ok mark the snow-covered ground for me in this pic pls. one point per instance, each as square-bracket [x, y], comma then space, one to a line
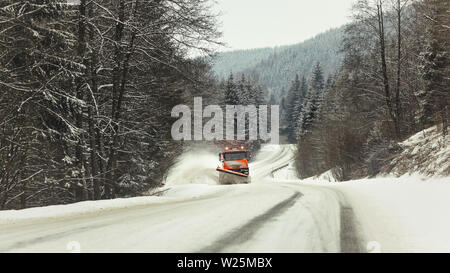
[276, 213]
[406, 214]
[425, 153]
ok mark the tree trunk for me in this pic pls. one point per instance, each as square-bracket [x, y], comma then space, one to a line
[386, 85]
[92, 70]
[117, 80]
[80, 96]
[398, 109]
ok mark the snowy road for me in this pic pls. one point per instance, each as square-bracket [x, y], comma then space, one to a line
[261, 217]
[276, 213]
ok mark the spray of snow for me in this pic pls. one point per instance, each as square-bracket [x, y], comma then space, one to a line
[196, 166]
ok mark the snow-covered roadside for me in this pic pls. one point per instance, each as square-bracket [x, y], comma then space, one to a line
[409, 209]
[77, 209]
[174, 194]
[407, 214]
[426, 153]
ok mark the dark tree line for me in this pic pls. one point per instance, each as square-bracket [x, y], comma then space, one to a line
[300, 107]
[244, 91]
[394, 82]
[87, 91]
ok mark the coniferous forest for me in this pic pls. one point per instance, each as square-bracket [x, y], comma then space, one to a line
[86, 94]
[394, 82]
[357, 91]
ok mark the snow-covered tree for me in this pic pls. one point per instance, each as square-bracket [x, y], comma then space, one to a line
[317, 80]
[231, 92]
[87, 91]
[436, 63]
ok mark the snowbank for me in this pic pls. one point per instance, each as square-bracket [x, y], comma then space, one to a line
[425, 153]
[289, 173]
[77, 209]
[325, 177]
[171, 195]
[194, 190]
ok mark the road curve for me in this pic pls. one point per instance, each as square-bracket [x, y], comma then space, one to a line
[261, 217]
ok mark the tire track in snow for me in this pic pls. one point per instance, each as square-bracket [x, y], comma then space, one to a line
[351, 241]
[245, 232]
[350, 234]
[74, 226]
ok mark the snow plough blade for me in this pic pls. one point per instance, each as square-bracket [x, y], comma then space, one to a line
[231, 172]
[227, 177]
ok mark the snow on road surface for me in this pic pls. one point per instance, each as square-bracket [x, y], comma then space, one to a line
[190, 217]
[276, 213]
[407, 214]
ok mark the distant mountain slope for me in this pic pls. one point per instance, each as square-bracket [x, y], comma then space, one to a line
[239, 60]
[276, 67]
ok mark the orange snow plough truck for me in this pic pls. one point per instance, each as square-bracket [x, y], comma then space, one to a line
[233, 166]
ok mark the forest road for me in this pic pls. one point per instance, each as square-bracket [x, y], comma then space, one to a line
[269, 215]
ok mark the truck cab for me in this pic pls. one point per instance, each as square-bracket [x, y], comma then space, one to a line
[233, 165]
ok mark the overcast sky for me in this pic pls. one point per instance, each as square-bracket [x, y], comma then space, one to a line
[266, 23]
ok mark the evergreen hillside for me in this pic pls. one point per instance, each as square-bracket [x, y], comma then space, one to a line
[239, 60]
[277, 67]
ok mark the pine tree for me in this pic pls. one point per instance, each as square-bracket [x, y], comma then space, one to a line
[317, 81]
[437, 65]
[330, 82]
[308, 114]
[292, 99]
[298, 108]
[273, 100]
[259, 96]
[231, 92]
[245, 91]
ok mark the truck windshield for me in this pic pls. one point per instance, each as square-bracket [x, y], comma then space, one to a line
[235, 156]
